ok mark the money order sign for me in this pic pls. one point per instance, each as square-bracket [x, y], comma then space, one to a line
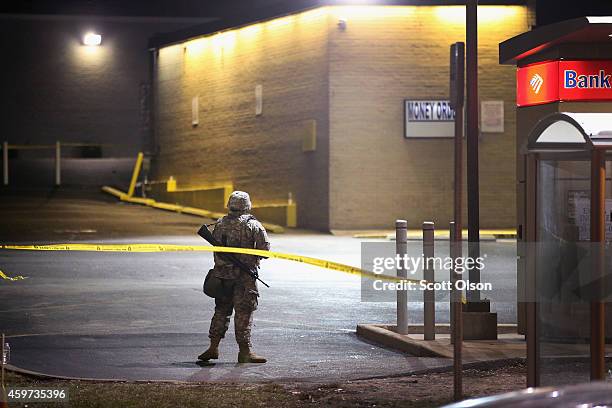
[428, 118]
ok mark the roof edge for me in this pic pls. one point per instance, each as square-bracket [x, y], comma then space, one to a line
[530, 42]
[296, 6]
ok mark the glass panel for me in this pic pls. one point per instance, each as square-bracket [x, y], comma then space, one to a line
[563, 229]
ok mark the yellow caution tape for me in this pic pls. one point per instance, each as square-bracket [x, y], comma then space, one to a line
[9, 278]
[194, 248]
[336, 266]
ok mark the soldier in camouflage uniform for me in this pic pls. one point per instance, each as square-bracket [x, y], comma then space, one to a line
[237, 229]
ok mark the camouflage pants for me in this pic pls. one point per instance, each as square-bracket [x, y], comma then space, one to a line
[243, 299]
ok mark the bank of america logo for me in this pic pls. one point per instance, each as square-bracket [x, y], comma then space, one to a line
[536, 83]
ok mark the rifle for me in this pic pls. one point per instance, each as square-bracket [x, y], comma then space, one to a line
[205, 233]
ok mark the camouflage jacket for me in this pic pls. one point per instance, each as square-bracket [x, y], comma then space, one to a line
[242, 231]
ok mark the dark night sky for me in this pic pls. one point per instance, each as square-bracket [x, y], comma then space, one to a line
[548, 11]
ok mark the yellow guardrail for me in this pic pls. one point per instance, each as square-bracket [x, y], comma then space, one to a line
[179, 208]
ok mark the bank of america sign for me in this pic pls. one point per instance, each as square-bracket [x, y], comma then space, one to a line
[428, 118]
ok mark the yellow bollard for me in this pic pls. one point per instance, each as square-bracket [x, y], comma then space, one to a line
[135, 174]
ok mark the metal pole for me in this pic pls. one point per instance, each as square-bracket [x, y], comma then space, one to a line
[598, 237]
[457, 84]
[2, 361]
[429, 296]
[58, 164]
[472, 142]
[531, 305]
[3, 399]
[401, 249]
[456, 227]
[5, 169]
[456, 315]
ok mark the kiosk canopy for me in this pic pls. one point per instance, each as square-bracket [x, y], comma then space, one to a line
[568, 131]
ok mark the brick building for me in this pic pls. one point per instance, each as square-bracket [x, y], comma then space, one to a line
[309, 108]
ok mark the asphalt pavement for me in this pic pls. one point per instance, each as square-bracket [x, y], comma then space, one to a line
[143, 316]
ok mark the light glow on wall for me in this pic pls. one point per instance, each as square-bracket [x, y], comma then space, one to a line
[196, 46]
[250, 31]
[486, 14]
[370, 12]
[224, 41]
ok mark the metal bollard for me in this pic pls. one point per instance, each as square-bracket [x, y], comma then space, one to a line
[456, 319]
[58, 164]
[401, 249]
[5, 169]
[429, 296]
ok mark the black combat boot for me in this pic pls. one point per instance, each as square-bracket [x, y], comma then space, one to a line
[213, 351]
[245, 355]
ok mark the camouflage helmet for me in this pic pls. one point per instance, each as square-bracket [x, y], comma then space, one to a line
[239, 201]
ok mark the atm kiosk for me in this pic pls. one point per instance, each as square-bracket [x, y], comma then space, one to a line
[564, 197]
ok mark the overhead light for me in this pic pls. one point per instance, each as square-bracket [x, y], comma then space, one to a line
[92, 39]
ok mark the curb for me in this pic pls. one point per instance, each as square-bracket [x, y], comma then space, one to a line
[476, 365]
[383, 335]
[42, 376]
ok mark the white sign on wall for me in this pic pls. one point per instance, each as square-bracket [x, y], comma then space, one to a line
[492, 116]
[195, 111]
[258, 100]
[428, 118]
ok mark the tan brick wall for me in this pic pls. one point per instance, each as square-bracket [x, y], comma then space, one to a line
[260, 154]
[388, 54]
[363, 174]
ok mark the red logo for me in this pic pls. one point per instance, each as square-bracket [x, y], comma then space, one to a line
[537, 84]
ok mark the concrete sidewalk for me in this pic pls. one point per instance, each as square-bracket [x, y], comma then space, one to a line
[509, 344]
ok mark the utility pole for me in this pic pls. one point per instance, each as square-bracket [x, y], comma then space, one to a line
[477, 312]
[457, 83]
[473, 192]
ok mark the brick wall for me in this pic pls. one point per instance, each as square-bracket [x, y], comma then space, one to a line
[386, 55]
[352, 81]
[259, 154]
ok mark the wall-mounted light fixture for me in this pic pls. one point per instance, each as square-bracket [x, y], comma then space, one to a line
[92, 39]
[342, 23]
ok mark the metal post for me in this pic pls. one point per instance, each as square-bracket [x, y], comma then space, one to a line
[58, 164]
[429, 296]
[531, 306]
[456, 227]
[456, 315]
[472, 142]
[598, 237]
[5, 169]
[457, 85]
[3, 399]
[401, 248]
